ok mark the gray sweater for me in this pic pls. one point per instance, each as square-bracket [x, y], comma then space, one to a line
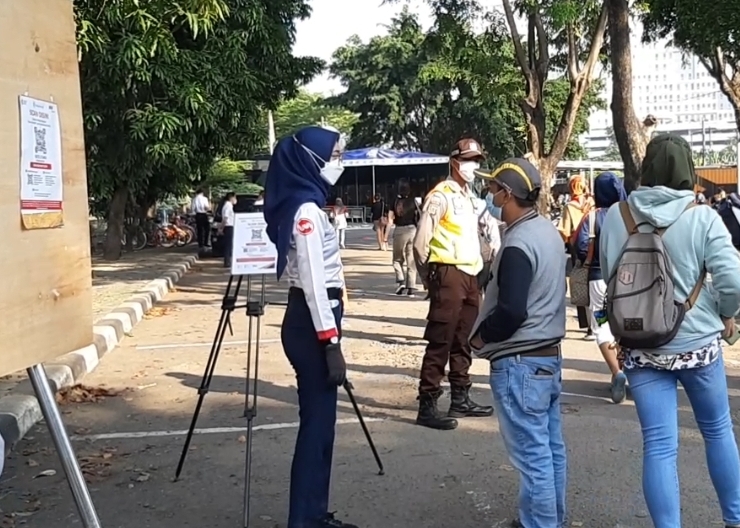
[545, 323]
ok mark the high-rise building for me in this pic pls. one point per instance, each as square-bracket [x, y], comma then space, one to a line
[675, 88]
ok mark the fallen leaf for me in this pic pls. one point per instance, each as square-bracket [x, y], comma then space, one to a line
[46, 473]
[83, 394]
[107, 456]
[242, 439]
[143, 477]
[157, 311]
[32, 463]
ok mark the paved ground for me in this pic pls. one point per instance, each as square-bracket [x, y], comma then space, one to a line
[114, 283]
[434, 479]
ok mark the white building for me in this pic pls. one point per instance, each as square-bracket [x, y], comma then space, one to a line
[678, 90]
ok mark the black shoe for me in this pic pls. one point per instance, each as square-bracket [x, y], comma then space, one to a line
[401, 289]
[411, 292]
[429, 415]
[516, 523]
[330, 522]
[463, 407]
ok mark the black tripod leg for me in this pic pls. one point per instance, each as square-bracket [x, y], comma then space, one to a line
[348, 388]
[255, 311]
[229, 301]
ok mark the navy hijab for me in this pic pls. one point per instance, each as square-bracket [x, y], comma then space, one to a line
[608, 190]
[293, 179]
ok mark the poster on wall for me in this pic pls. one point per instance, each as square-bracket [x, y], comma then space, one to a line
[253, 253]
[41, 164]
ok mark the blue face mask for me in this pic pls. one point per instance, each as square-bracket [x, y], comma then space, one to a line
[492, 209]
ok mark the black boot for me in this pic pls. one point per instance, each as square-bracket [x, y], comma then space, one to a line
[463, 407]
[330, 522]
[429, 415]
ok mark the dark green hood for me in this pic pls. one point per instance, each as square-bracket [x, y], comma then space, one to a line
[668, 162]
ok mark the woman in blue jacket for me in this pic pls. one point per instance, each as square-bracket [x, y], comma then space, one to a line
[608, 190]
[696, 240]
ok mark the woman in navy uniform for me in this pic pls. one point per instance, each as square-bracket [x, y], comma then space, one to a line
[302, 170]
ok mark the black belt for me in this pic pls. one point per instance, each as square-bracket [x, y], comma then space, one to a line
[551, 351]
[335, 294]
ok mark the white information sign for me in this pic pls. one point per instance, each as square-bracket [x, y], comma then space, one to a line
[253, 253]
[41, 162]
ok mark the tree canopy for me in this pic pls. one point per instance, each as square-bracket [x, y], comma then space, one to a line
[168, 87]
[712, 33]
[307, 109]
[424, 90]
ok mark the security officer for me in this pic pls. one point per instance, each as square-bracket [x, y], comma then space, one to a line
[448, 255]
[302, 171]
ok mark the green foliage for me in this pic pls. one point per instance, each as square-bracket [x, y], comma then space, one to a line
[311, 109]
[710, 32]
[424, 90]
[695, 26]
[230, 176]
[168, 87]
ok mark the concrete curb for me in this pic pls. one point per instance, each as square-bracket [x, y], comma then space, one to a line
[19, 410]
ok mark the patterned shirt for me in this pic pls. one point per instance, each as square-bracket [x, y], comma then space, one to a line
[696, 359]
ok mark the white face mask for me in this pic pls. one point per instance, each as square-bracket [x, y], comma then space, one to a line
[332, 170]
[467, 170]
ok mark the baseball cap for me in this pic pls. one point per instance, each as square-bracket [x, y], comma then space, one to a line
[467, 150]
[518, 176]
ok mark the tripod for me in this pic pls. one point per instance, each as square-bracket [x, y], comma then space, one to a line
[255, 309]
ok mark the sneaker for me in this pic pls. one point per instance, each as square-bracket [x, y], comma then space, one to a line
[411, 292]
[330, 522]
[619, 387]
[401, 289]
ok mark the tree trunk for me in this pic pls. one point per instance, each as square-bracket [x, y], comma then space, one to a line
[114, 231]
[628, 130]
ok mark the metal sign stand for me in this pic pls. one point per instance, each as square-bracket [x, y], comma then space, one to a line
[75, 478]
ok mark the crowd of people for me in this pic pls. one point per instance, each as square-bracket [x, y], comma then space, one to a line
[661, 280]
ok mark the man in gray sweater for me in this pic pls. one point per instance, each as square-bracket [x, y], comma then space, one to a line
[519, 330]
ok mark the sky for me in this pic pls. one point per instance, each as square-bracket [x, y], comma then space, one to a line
[333, 22]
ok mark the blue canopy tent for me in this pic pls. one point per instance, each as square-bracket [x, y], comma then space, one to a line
[379, 157]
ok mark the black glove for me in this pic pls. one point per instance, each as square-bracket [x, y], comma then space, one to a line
[336, 365]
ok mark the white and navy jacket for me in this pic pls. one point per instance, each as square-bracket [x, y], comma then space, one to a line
[314, 265]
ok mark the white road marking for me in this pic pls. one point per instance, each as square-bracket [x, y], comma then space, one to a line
[210, 430]
[203, 344]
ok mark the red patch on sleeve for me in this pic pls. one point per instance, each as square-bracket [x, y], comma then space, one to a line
[304, 226]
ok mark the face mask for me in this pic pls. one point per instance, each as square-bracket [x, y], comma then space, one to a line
[467, 170]
[331, 171]
[492, 209]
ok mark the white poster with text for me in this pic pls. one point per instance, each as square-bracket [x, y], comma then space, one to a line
[42, 194]
[254, 253]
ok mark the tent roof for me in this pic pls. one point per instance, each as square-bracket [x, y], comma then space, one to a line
[369, 157]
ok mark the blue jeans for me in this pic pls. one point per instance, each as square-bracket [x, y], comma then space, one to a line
[656, 398]
[310, 474]
[526, 395]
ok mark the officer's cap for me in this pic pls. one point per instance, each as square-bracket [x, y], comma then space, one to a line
[467, 150]
[517, 176]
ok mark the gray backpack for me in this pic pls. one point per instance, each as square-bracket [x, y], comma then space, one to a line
[640, 304]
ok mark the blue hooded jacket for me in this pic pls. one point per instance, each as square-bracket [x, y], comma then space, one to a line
[608, 190]
[696, 239]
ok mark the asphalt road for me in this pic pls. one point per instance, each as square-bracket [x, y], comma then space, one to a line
[129, 437]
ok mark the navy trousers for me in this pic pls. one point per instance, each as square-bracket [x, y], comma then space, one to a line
[310, 473]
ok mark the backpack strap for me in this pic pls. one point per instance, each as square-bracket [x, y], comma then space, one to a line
[627, 218]
[696, 291]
